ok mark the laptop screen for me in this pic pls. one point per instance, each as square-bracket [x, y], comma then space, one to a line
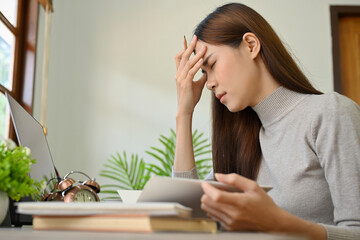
[30, 134]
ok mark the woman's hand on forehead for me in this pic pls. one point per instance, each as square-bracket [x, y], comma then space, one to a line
[189, 91]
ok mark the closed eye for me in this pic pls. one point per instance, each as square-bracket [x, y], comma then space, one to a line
[211, 67]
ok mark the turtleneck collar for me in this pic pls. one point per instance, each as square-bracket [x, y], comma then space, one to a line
[277, 105]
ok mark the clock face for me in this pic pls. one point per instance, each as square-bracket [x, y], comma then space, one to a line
[80, 193]
[84, 196]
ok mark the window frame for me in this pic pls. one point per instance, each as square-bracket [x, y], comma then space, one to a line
[24, 55]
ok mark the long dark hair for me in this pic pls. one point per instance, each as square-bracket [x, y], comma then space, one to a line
[235, 138]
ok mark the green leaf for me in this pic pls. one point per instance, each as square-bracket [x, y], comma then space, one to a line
[160, 171]
[197, 144]
[124, 182]
[109, 191]
[166, 166]
[196, 136]
[109, 198]
[201, 153]
[110, 185]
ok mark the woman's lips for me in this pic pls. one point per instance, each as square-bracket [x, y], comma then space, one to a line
[221, 97]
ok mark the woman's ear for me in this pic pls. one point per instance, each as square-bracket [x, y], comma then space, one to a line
[252, 44]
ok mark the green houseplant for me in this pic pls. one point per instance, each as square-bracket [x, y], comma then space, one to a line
[165, 157]
[127, 174]
[133, 173]
[15, 182]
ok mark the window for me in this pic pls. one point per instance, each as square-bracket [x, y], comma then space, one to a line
[18, 28]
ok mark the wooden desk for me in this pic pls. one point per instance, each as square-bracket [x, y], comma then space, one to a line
[27, 233]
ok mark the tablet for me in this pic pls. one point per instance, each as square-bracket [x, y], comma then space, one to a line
[185, 191]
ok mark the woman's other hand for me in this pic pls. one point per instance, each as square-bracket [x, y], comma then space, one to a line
[253, 209]
[250, 210]
[189, 91]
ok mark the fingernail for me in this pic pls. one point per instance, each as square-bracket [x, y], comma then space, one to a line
[219, 176]
[185, 43]
[194, 37]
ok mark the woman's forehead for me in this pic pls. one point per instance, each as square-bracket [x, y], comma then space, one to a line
[199, 44]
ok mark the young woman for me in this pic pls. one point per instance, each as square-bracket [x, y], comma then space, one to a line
[270, 127]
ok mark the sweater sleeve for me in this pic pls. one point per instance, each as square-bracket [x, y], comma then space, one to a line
[192, 173]
[336, 135]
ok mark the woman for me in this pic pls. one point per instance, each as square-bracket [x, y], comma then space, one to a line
[270, 127]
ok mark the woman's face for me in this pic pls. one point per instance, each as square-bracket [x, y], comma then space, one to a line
[232, 74]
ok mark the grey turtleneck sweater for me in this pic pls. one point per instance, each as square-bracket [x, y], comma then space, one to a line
[311, 157]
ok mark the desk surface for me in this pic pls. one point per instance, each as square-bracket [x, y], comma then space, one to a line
[28, 233]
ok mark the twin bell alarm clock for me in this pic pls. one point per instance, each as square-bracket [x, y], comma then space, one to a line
[69, 190]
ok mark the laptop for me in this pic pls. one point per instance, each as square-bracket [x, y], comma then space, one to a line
[30, 134]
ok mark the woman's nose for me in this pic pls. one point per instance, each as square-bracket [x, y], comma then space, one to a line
[211, 83]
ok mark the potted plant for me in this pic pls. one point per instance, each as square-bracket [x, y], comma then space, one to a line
[15, 182]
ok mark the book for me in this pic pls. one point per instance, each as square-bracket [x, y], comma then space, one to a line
[93, 208]
[124, 223]
[115, 217]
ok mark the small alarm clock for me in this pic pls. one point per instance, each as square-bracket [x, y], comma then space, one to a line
[69, 190]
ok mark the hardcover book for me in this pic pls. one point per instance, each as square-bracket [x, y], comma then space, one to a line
[115, 217]
[123, 223]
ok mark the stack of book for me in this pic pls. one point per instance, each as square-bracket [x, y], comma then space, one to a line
[114, 216]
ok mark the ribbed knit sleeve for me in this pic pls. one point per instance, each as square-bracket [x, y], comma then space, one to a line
[336, 136]
[341, 233]
[192, 173]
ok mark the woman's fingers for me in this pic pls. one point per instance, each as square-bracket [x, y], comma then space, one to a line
[218, 205]
[191, 48]
[238, 181]
[194, 69]
[178, 58]
[195, 60]
[215, 213]
[222, 206]
[220, 196]
[192, 66]
[187, 67]
[223, 213]
[179, 55]
[186, 55]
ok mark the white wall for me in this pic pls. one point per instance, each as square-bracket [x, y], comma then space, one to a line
[111, 76]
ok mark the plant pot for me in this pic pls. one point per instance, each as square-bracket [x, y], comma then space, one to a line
[4, 205]
[129, 196]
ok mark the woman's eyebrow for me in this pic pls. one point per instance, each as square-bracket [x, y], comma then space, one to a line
[206, 62]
